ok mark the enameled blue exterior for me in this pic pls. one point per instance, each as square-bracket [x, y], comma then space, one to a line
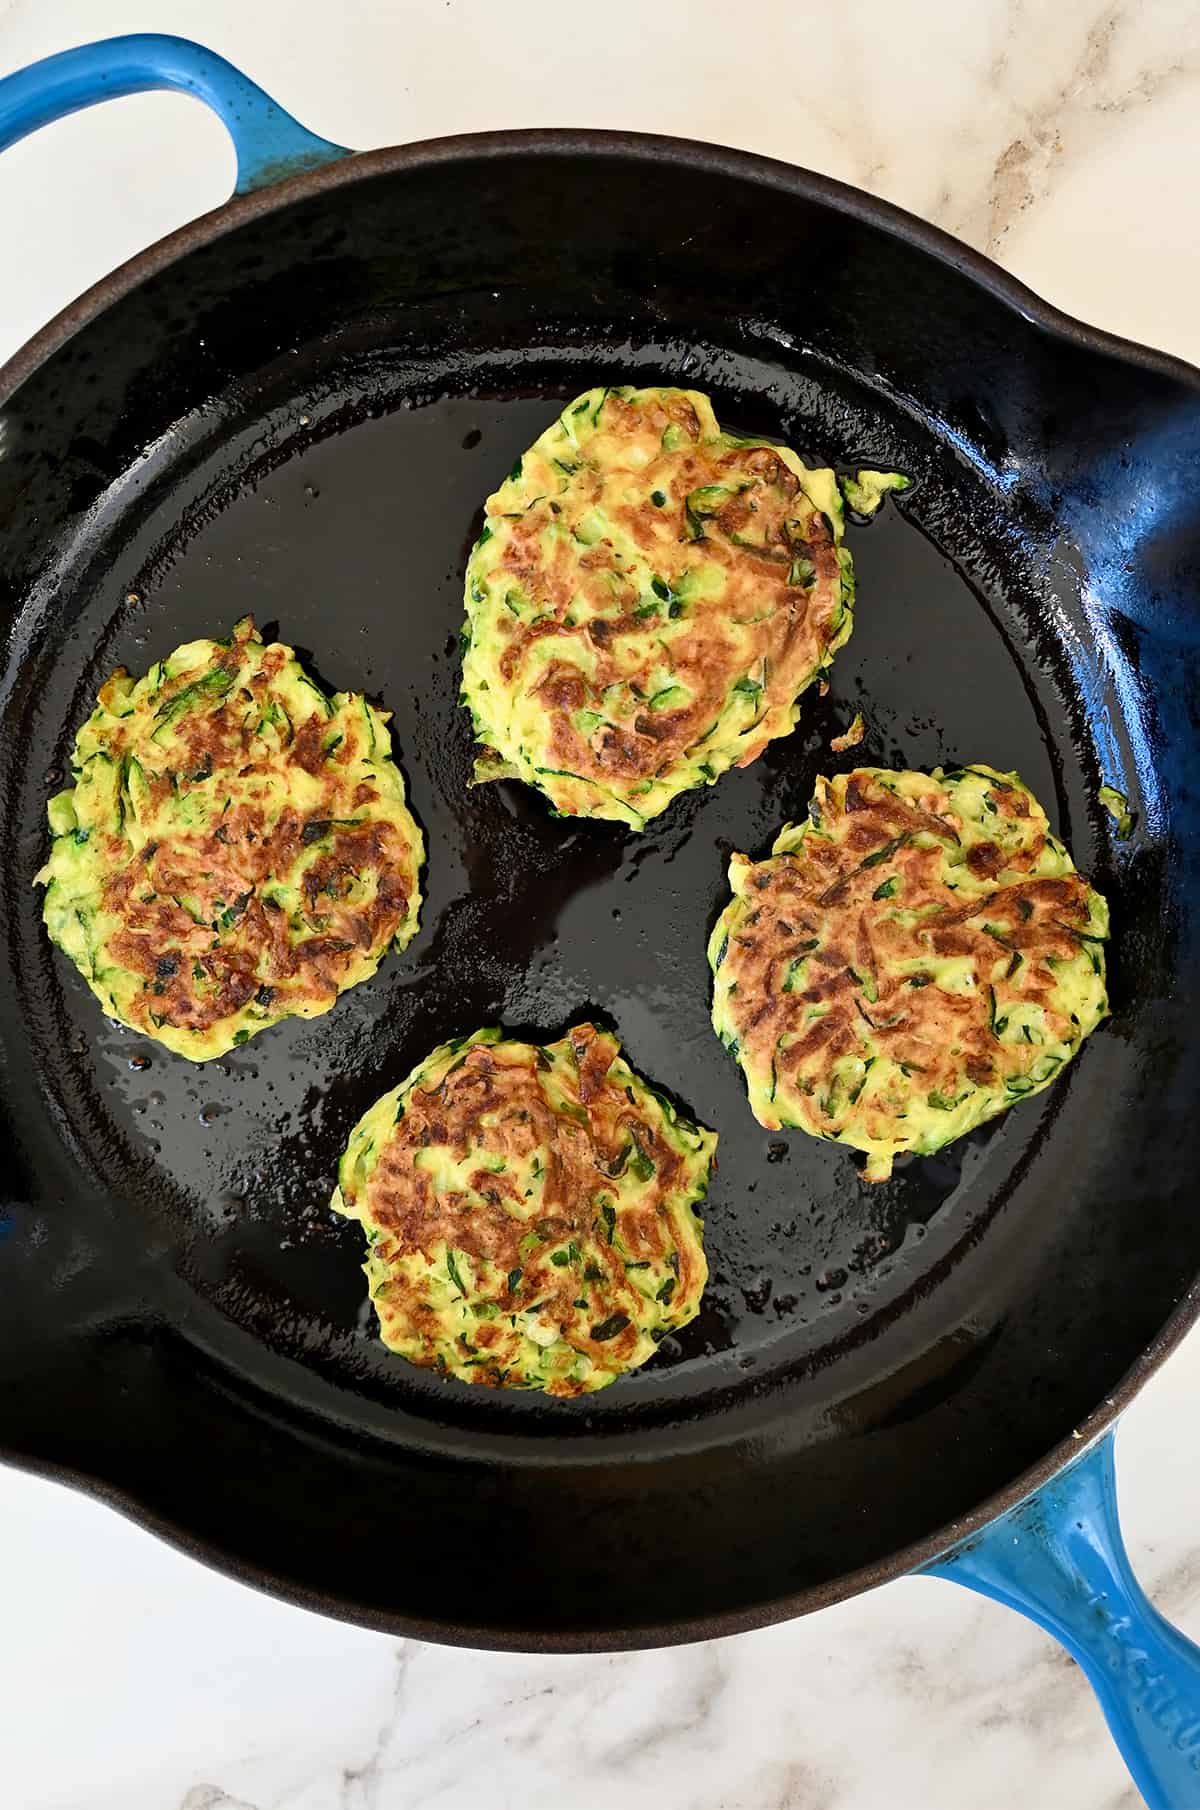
[1057, 1557]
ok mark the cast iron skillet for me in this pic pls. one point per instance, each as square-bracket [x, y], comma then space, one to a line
[294, 407]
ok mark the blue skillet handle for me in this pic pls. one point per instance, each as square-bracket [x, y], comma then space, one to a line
[269, 143]
[1059, 1558]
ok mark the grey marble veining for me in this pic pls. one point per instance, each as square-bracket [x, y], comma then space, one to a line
[1063, 139]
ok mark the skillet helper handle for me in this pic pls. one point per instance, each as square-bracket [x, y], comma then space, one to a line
[1059, 1558]
[268, 142]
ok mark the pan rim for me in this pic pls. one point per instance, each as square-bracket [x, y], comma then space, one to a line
[564, 141]
[906, 1561]
[933, 241]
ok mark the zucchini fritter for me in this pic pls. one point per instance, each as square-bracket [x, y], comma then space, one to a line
[529, 1212]
[235, 849]
[912, 960]
[646, 602]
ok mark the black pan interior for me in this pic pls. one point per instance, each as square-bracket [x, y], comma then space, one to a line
[300, 420]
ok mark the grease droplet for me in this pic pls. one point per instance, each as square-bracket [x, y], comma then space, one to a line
[758, 1294]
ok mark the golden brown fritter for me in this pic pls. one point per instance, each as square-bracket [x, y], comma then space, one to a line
[235, 849]
[529, 1211]
[908, 963]
[647, 601]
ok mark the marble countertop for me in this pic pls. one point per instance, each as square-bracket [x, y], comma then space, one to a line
[1058, 135]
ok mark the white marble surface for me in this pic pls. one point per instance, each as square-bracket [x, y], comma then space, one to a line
[1063, 137]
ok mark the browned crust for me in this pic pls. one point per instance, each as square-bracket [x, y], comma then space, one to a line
[820, 898]
[493, 1107]
[787, 625]
[199, 968]
[228, 873]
